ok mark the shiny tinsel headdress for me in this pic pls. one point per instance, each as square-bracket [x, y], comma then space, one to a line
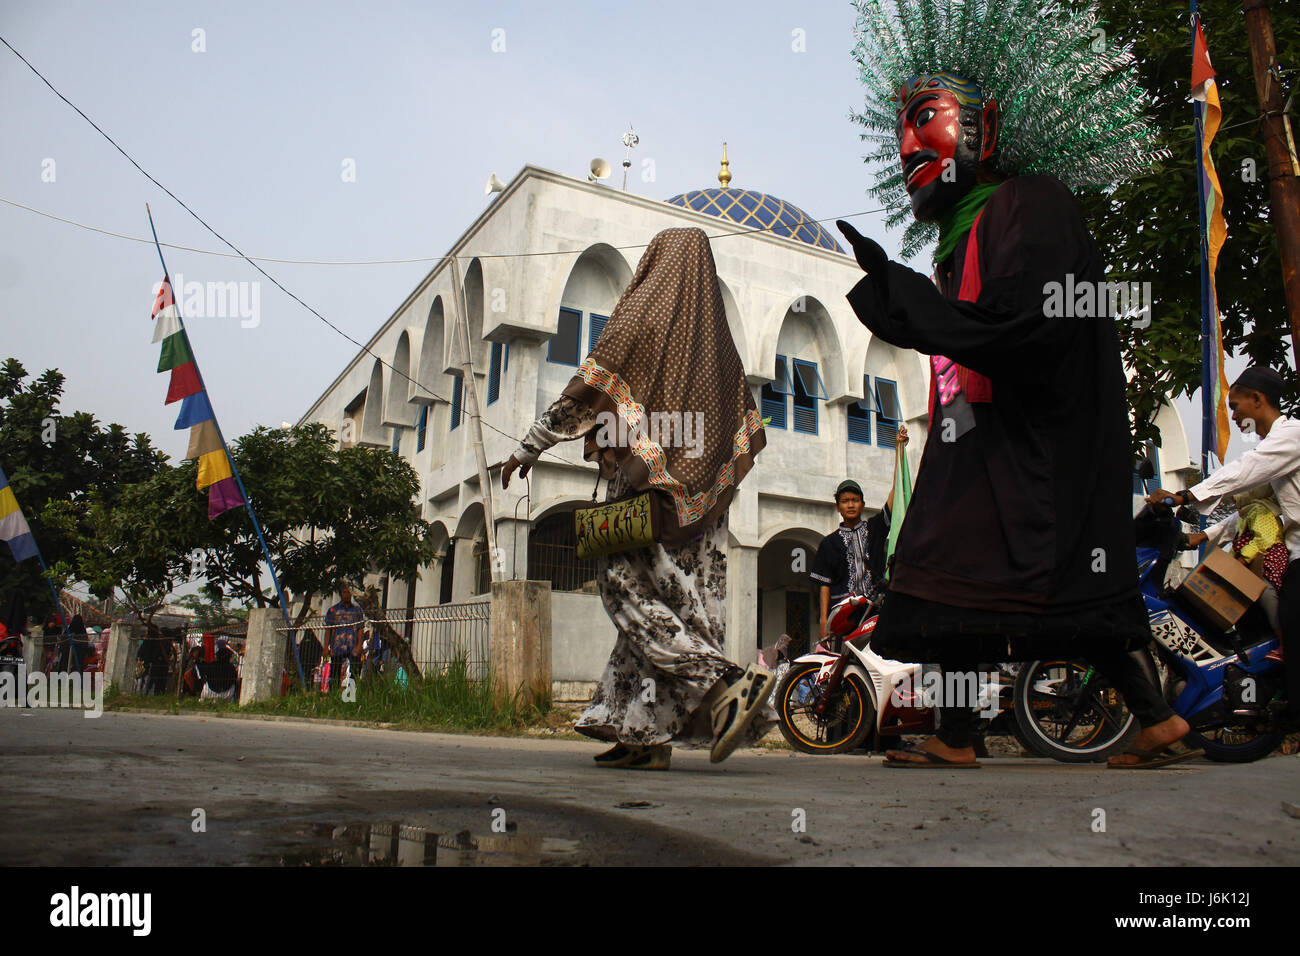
[1070, 101]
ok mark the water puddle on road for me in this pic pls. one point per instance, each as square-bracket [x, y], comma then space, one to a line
[398, 844]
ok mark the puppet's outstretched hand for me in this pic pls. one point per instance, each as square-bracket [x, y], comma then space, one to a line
[870, 297]
[870, 256]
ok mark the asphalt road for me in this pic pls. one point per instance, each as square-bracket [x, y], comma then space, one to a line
[125, 788]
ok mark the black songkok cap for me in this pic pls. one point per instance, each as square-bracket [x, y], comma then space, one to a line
[1262, 379]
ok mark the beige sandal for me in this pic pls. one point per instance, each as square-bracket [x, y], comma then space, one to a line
[736, 709]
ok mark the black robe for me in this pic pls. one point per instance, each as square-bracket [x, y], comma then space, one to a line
[1018, 541]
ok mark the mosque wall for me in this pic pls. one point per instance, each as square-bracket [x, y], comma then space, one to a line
[784, 299]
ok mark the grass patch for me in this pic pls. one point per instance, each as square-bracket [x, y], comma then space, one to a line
[449, 700]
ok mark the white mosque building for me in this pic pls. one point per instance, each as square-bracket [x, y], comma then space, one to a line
[835, 396]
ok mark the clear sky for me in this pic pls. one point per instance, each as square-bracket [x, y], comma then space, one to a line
[256, 119]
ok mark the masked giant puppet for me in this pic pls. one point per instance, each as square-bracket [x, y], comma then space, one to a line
[1018, 541]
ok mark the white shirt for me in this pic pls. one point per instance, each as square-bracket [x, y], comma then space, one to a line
[1276, 461]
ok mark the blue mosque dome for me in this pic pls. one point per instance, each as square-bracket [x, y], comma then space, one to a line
[756, 210]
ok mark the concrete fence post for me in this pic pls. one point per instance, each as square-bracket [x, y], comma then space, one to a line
[519, 635]
[263, 666]
[120, 657]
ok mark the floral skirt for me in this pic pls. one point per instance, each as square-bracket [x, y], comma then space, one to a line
[669, 606]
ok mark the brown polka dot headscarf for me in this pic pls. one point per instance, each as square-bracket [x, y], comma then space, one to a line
[667, 368]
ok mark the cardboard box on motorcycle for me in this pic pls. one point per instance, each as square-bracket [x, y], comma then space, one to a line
[1222, 589]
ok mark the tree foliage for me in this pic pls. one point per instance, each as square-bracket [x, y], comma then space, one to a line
[57, 465]
[1149, 229]
[326, 514]
[211, 611]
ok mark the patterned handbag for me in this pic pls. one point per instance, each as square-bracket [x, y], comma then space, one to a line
[621, 525]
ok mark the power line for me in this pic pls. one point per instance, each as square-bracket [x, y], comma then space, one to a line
[238, 253]
[388, 262]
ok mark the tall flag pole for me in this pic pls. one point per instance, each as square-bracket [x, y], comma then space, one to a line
[16, 533]
[1214, 229]
[217, 469]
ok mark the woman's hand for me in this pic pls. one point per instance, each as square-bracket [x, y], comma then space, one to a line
[508, 469]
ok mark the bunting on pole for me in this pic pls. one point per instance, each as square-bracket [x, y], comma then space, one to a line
[186, 386]
[216, 471]
[1214, 229]
[13, 526]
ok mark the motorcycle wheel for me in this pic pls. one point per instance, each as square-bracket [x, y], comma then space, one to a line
[1221, 744]
[849, 717]
[1058, 718]
[1228, 745]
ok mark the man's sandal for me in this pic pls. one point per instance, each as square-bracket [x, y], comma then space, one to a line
[931, 762]
[1149, 759]
[736, 709]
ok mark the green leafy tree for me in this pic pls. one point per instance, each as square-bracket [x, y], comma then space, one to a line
[145, 542]
[328, 514]
[1149, 229]
[212, 611]
[56, 463]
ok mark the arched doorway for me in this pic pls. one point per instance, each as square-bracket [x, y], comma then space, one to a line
[787, 601]
[553, 554]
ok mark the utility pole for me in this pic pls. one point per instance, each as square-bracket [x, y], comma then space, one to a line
[1279, 145]
[469, 393]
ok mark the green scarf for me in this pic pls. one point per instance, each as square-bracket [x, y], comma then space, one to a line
[957, 221]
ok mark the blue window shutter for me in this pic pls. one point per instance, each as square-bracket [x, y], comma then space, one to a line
[597, 326]
[455, 402]
[396, 440]
[859, 415]
[887, 413]
[421, 428]
[774, 395]
[859, 429]
[773, 408]
[806, 383]
[805, 420]
[781, 384]
[565, 345]
[494, 374]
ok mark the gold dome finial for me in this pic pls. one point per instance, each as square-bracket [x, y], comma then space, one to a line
[724, 174]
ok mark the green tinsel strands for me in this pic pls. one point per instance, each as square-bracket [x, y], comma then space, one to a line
[1069, 96]
[961, 217]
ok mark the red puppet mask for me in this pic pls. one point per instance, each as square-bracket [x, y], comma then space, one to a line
[945, 131]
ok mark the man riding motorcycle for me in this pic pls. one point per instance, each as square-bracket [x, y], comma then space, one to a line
[1255, 401]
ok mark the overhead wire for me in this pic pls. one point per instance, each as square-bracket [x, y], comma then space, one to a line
[238, 253]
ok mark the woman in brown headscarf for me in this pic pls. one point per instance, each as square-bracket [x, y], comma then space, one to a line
[666, 353]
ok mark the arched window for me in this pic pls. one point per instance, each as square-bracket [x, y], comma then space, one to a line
[553, 555]
[448, 567]
[482, 566]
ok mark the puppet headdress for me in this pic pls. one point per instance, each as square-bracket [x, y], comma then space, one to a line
[1069, 96]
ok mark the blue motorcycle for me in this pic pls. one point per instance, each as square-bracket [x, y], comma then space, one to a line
[1223, 683]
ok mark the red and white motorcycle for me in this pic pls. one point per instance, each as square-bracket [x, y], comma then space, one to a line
[831, 700]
